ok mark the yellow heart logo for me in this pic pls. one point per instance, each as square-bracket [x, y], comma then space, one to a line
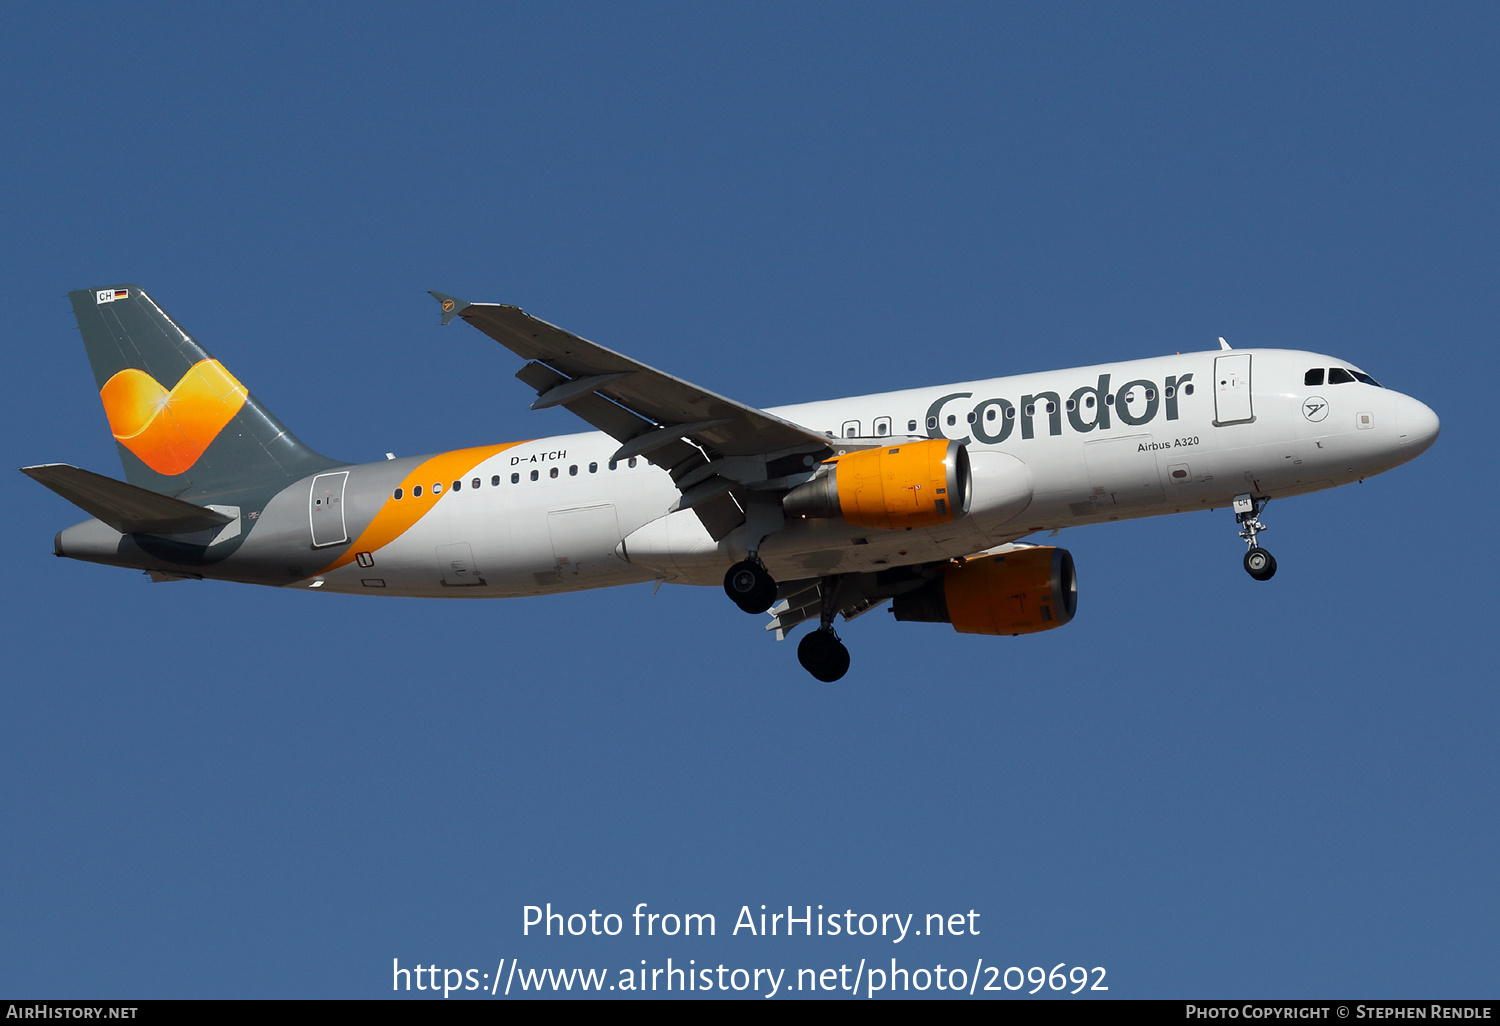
[170, 430]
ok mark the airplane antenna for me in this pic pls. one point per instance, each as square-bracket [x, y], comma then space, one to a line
[1223, 344]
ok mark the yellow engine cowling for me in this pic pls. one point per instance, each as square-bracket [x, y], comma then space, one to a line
[1022, 591]
[915, 484]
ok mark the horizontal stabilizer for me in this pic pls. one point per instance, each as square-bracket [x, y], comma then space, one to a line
[126, 508]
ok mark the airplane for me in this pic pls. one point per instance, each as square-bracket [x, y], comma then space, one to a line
[920, 498]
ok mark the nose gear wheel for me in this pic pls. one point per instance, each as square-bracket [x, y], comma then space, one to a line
[1259, 563]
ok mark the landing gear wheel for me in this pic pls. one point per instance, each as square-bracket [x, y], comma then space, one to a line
[1260, 564]
[751, 588]
[823, 655]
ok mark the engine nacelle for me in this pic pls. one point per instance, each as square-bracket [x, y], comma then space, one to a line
[1022, 591]
[914, 484]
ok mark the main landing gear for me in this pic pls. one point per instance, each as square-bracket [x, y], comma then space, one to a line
[1259, 563]
[750, 586]
[747, 583]
[821, 653]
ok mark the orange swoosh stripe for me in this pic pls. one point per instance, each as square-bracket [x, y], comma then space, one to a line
[170, 430]
[397, 516]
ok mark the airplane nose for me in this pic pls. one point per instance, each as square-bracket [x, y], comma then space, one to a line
[1416, 425]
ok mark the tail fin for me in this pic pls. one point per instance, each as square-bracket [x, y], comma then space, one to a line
[185, 426]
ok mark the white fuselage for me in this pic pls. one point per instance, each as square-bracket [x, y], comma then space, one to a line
[1182, 434]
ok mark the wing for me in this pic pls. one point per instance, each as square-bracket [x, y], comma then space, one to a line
[799, 601]
[845, 595]
[852, 595]
[716, 449]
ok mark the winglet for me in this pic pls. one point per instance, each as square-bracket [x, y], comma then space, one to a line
[451, 307]
[1222, 343]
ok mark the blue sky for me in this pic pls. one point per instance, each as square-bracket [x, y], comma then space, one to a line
[1209, 786]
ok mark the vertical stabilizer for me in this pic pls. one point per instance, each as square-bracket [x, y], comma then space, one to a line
[185, 426]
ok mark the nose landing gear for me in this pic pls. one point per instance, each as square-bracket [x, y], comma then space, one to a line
[1259, 563]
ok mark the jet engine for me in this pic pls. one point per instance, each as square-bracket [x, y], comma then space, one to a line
[1021, 591]
[914, 484]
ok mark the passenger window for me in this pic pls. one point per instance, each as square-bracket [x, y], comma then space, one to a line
[535, 475]
[552, 473]
[952, 420]
[593, 468]
[437, 488]
[989, 414]
[495, 480]
[911, 426]
[458, 486]
[1187, 389]
[931, 423]
[398, 493]
[1051, 406]
[1313, 378]
[1339, 376]
[851, 429]
[416, 491]
[882, 426]
[1010, 413]
[632, 461]
[1072, 405]
[475, 483]
[970, 418]
[613, 464]
[515, 479]
[573, 470]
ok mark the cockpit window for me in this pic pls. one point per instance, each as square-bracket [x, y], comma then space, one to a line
[1364, 378]
[1313, 377]
[1339, 376]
